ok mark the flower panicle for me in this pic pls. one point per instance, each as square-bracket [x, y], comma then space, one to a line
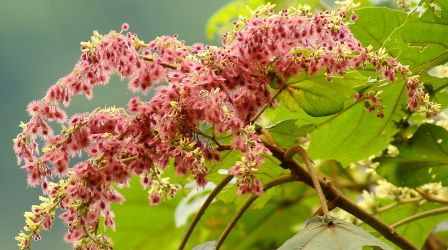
[218, 88]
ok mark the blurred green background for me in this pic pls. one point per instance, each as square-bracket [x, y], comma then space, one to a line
[39, 43]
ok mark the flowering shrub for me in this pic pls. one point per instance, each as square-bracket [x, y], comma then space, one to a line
[202, 94]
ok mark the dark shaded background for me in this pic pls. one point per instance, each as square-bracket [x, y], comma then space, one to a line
[39, 43]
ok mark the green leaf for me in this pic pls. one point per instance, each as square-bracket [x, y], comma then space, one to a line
[421, 160]
[355, 133]
[286, 132]
[415, 40]
[352, 134]
[141, 226]
[316, 95]
[210, 245]
[416, 231]
[421, 41]
[284, 4]
[221, 20]
[337, 235]
[375, 24]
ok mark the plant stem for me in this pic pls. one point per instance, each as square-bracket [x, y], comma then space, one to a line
[289, 156]
[331, 205]
[432, 198]
[421, 215]
[274, 182]
[343, 202]
[204, 206]
[220, 147]
[164, 64]
[440, 88]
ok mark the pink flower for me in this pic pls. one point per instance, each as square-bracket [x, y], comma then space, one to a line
[124, 27]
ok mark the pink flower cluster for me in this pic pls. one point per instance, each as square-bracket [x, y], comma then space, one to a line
[222, 88]
[248, 143]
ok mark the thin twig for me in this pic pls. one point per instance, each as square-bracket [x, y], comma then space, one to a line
[86, 231]
[289, 156]
[421, 215]
[220, 147]
[274, 182]
[164, 64]
[432, 198]
[204, 206]
[440, 88]
[331, 205]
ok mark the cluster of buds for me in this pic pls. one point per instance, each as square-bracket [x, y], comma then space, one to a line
[372, 102]
[81, 232]
[249, 143]
[418, 99]
[159, 188]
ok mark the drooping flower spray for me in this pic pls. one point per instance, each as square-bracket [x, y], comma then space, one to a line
[195, 87]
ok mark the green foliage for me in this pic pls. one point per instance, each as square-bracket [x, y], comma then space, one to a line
[316, 96]
[422, 159]
[415, 231]
[417, 40]
[340, 136]
[337, 235]
[191, 203]
[286, 133]
[141, 226]
[375, 24]
[421, 40]
[221, 20]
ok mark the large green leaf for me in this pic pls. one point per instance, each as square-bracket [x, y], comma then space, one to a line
[421, 41]
[318, 96]
[351, 134]
[421, 160]
[417, 41]
[355, 133]
[338, 235]
[375, 24]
